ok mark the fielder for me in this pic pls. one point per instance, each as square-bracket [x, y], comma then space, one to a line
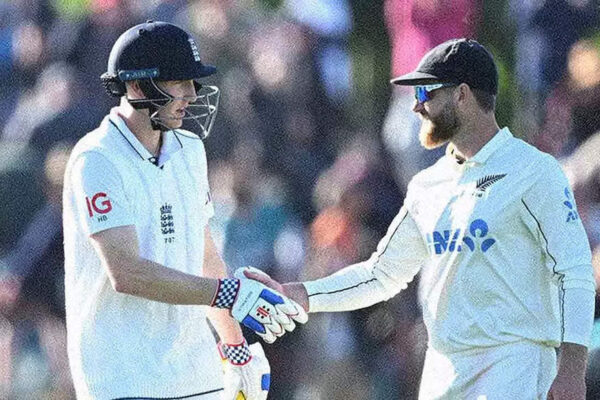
[138, 249]
[505, 264]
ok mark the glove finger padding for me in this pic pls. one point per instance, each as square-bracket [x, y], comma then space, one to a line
[283, 319]
[255, 307]
[289, 311]
[293, 310]
[268, 337]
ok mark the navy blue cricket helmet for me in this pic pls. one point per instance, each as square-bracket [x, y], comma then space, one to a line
[159, 51]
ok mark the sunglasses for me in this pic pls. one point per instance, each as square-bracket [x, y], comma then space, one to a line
[423, 92]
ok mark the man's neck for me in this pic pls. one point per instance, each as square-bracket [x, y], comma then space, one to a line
[138, 123]
[472, 137]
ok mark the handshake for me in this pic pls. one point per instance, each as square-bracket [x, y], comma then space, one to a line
[258, 307]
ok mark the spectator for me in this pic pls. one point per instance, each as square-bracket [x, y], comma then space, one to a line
[573, 107]
[31, 288]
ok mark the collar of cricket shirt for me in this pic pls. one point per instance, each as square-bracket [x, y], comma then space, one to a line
[170, 142]
[495, 143]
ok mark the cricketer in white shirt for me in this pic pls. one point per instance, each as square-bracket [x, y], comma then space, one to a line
[506, 275]
[505, 266]
[121, 345]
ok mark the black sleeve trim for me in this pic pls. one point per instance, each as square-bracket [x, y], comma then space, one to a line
[344, 289]
[543, 235]
[561, 276]
[393, 233]
[170, 398]
[378, 256]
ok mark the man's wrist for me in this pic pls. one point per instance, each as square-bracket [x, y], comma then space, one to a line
[572, 359]
[297, 292]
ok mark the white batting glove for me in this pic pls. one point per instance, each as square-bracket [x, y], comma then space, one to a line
[292, 310]
[247, 372]
[261, 309]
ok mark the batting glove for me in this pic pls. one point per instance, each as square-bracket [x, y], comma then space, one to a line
[293, 311]
[247, 372]
[261, 309]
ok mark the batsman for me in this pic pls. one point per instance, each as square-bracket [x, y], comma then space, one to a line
[492, 227]
[142, 272]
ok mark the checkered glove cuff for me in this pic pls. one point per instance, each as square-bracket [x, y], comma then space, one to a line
[237, 354]
[226, 293]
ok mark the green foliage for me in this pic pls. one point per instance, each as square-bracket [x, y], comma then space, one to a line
[271, 4]
[370, 52]
[72, 10]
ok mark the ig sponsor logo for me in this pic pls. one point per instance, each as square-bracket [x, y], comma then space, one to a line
[98, 204]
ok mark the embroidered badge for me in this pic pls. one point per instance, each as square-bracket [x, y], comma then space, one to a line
[485, 183]
[167, 225]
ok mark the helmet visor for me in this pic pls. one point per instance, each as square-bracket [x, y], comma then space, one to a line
[197, 116]
[200, 114]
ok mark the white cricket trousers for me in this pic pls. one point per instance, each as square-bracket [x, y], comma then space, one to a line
[517, 371]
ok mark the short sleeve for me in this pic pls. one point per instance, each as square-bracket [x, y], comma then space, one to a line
[99, 200]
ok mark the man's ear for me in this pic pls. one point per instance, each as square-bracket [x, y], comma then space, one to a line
[462, 92]
[133, 90]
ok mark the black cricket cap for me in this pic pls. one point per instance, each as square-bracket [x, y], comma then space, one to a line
[455, 61]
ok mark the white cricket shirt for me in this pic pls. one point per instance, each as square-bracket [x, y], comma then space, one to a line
[502, 252]
[121, 345]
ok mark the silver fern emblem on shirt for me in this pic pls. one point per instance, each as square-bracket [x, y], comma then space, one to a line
[485, 183]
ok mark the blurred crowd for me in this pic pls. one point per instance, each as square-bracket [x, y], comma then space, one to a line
[308, 160]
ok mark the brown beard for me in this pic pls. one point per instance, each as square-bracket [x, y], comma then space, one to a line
[435, 131]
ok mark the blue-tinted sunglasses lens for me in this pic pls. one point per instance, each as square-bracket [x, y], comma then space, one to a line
[421, 94]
